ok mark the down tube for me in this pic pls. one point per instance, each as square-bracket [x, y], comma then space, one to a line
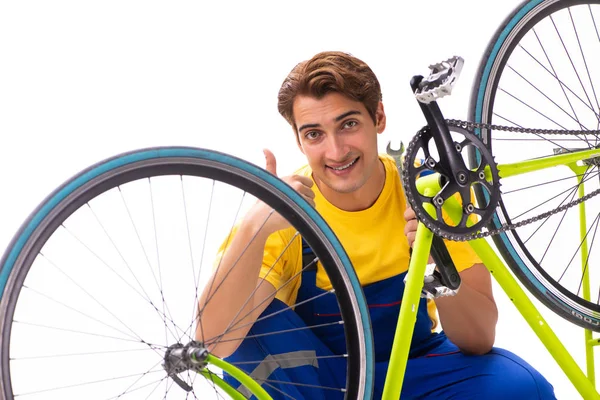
[534, 319]
[408, 314]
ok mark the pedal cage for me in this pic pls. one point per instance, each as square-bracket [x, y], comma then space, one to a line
[440, 81]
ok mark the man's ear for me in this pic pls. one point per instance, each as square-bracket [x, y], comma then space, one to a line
[380, 118]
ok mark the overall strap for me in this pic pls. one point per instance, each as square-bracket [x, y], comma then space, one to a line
[308, 256]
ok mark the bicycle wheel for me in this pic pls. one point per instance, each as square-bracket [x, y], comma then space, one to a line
[105, 275]
[541, 70]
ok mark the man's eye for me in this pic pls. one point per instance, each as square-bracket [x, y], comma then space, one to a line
[312, 135]
[350, 124]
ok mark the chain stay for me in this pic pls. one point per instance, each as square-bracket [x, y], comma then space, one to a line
[470, 126]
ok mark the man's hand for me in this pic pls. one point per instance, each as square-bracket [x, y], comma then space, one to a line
[261, 211]
[410, 229]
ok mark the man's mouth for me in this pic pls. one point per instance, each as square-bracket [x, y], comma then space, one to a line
[343, 167]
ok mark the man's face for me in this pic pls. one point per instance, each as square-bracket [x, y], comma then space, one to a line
[339, 140]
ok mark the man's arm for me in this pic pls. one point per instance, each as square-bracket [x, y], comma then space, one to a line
[230, 287]
[238, 274]
[469, 318]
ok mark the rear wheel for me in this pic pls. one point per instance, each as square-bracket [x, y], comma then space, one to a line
[541, 70]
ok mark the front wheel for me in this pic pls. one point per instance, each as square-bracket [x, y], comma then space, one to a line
[104, 278]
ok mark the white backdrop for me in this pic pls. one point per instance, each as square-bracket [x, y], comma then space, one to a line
[81, 81]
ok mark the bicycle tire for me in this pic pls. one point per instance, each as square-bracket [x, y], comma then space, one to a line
[515, 42]
[196, 162]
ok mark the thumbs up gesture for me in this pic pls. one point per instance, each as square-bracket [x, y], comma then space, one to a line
[261, 211]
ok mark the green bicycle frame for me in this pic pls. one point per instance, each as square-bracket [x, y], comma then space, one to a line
[250, 384]
[429, 186]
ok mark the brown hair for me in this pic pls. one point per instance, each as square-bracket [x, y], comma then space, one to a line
[328, 72]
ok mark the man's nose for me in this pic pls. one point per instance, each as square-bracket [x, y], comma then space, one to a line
[336, 148]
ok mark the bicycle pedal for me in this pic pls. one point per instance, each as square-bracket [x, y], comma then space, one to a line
[440, 81]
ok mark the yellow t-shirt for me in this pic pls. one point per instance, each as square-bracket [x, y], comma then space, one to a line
[373, 239]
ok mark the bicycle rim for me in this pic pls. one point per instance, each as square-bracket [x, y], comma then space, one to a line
[541, 71]
[106, 273]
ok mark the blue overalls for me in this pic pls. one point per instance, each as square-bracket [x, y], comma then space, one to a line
[299, 363]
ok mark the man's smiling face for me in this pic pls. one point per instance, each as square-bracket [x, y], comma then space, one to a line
[339, 139]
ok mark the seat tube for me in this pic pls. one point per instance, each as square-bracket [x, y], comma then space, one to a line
[580, 172]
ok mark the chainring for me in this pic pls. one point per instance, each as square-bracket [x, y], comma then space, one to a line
[474, 217]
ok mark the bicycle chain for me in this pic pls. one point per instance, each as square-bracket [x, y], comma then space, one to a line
[470, 126]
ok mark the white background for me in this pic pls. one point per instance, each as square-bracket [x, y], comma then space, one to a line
[81, 81]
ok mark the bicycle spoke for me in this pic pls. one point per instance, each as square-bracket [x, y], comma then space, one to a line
[234, 319]
[236, 326]
[104, 262]
[213, 384]
[541, 137]
[88, 294]
[303, 328]
[195, 310]
[156, 383]
[533, 109]
[210, 289]
[275, 361]
[93, 382]
[139, 240]
[541, 184]
[562, 218]
[573, 117]
[189, 240]
[139, 378]
[561, 84]
[554, 74]
[587, 70]
[80, 354]
[278, 390]
[156, 246]
[578, 249]
[569, 191]
[264, 317]
[85, 315]
[156, 386]
[564, 201]
[145, 295]
[56, 328]
[587, 260]
[217, 338]
[571, 61]
[235, 263]
[301, 384]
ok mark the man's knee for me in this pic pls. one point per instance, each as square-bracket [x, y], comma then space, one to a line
[507, 376]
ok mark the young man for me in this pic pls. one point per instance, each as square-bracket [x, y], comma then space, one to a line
[333, 103]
